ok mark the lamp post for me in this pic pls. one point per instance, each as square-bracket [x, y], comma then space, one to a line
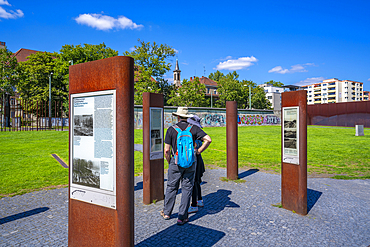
[211, 100]
[50, 99]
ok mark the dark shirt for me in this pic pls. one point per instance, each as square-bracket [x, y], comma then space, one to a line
[171, 135]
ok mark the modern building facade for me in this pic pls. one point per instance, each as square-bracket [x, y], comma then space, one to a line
[334, 91]
[273, 94]
[2, 45]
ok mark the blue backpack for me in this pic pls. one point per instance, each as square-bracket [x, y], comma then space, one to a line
[185, 147]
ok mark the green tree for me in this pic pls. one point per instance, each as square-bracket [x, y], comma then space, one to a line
[71, 54]
[34, 79]
[8, 72]
[190, 93]
[152, 58]
[216, 76]
[259, 100]
[275, 83]
[233, 89]
[151, 61]
[165, 88]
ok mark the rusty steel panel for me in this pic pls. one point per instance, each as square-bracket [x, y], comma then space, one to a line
[340, 114]
[153, 170]
[91, 224]
[294, 177]
[232, 139]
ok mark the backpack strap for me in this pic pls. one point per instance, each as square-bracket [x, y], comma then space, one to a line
[189, 127]
[177, 128]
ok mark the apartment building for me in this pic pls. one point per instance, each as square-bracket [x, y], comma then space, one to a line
[273, 94]
[334, 91]
[366, 95]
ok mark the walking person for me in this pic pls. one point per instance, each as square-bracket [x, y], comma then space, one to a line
[176, 172]
[196, 198]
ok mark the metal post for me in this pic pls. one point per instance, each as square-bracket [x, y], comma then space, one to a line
[50, 100]
[232, 139]
[250, 97]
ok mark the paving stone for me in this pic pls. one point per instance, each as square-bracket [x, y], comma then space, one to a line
[233, 215]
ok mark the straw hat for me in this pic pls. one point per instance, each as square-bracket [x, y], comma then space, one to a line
[182, 112]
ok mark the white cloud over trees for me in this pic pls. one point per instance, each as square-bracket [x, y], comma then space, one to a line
[236, 64]
[104, 22]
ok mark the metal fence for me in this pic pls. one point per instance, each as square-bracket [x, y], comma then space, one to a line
[30, 115]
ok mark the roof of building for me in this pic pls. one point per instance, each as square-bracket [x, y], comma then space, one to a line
[22, 54]
[206, 81]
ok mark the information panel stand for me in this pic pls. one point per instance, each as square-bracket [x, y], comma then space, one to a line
[294, 151]
[153, 142]
[101, 153]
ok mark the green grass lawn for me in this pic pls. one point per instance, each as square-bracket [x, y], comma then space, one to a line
[26, 163]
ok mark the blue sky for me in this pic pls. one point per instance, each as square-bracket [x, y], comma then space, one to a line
[295, 42]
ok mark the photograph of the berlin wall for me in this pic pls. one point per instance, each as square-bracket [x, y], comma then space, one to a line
[83, 125]
[86, 172]
[290, 133]
[290, 124]
[290, 143]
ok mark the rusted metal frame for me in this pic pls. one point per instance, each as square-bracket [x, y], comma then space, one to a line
[55, 115]
[61, 113]
[232, 139]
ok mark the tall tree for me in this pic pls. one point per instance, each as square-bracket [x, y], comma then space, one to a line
[34, 78]
[151, 61]
[8, 72]
[190, 93]
[259, 100]
[216, 76]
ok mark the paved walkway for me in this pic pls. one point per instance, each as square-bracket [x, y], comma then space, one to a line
[234, 215]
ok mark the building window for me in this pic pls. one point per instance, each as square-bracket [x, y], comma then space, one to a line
[269, 97]
[324, 84]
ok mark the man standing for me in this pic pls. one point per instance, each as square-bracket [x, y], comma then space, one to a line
[177, 173]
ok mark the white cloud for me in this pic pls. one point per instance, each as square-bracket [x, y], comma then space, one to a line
[4, 2]
[176, 51]
[104, 22]
[309, 81]
[368, 79]
[236, 64]
[294, 68]
[10, 14]
[132, 48]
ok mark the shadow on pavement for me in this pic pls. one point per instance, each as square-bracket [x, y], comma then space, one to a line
[214, 203]
[23, 215]
[186, 235]
[247, 173]
[139, 185]
[312, 197]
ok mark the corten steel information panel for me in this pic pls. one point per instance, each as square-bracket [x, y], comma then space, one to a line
[93, 140]
[153, 161]
[294, 151]
[101, 153]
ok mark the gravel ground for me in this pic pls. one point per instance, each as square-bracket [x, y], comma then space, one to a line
[234, 215]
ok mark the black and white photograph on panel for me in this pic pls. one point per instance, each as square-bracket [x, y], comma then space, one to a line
[83, 125]
[290, 143]
[86, 172]
[290, 133]
[290, 124]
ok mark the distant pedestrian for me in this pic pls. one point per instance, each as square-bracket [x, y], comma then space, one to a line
[176, 173]
[196, 198]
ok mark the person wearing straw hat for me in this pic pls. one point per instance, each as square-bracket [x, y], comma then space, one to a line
[177, 173]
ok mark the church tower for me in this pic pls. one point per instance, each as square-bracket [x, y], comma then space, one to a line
[176, 75]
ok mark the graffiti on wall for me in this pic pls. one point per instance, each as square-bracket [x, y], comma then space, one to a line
[216, 119]
[258, 119]
[211, 120]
